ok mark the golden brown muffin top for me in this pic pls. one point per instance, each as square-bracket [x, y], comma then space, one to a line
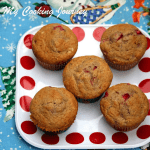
[53, 109]
[54, 43]
[124, 105]
[87, 77]
[123, 44]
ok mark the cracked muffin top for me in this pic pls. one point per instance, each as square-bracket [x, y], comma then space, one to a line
[123, 44]
[54, 43]
[53, 109]
[124, 106]
[87, 77]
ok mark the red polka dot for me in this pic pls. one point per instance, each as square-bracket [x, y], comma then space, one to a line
[50, 138]
[27, 62]
[97, 138]
[28, 41]
[27, 83]
[25, 103]
[28, 127]
[149, 107]
[145, 85]
[143, 132]
[120, 138]
[79, 32]
[143, 64]
[148, 43]
[97, 34]
[74, 138]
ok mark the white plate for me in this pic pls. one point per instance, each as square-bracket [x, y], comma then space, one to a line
[89, 118]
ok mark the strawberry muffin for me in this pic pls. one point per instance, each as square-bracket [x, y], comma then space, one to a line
[87, 77]
[122, 46]
[124, 106]
[54, 45]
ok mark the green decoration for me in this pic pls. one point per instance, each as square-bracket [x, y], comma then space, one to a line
[114, 6]
[8, 76]
[43, 4]
[4, 4]
[146, 10]
[148, 31]
[36, 4]
[59, 19]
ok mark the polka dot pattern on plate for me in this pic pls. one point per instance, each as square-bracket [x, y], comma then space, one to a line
[145, 85]
[98, 32]
[97, 138]
[79, 32]
[28, 41]
[25, 103]
[74, 138]
[143, 64]
[120, 138]
[27, 62]
[143, 132]
[50, 139]
[27, 83]
[28, 127]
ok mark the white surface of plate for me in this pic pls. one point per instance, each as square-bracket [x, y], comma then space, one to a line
[89, 118]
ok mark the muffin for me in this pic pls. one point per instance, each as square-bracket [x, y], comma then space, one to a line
[53, 109]
[54, 45]
[122, 46]
[124, 106]
[87, 77]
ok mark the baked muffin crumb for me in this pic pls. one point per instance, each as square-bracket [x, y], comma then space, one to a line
[87, 77]
[53, 109]
[123, 45]
[54, 45]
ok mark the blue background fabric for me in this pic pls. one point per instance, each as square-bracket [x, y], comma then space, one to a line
[12, 28]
